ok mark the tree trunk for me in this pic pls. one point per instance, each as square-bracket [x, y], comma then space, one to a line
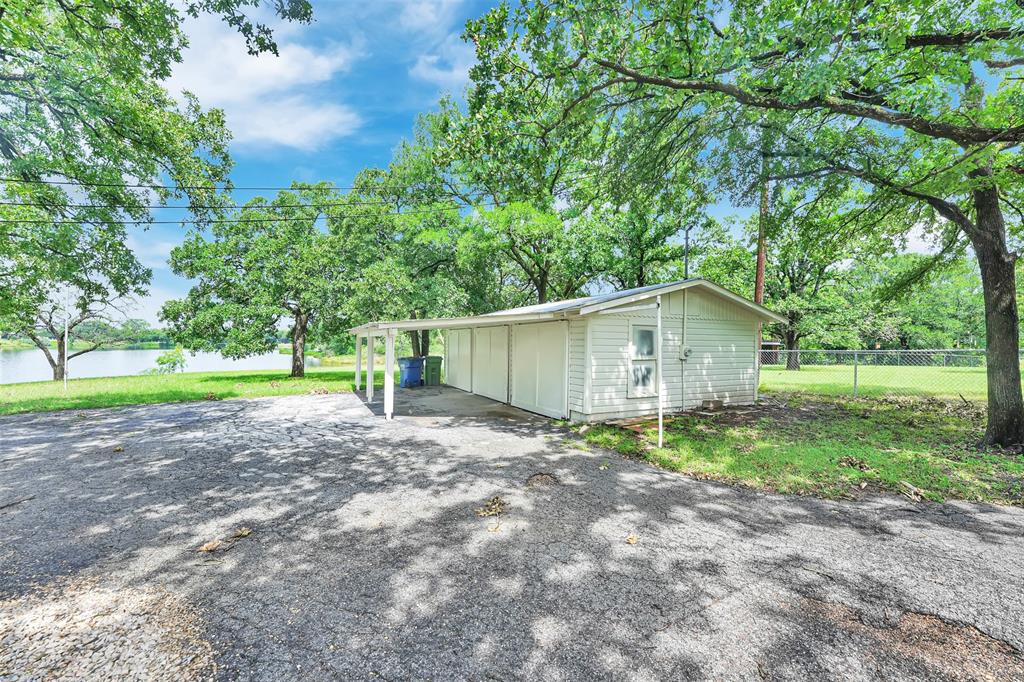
[414, 336]
[998, 279]
[58, 364]
[425, 342]
[299, 344]
[793, 345]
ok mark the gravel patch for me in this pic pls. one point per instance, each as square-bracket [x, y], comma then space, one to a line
[80, 630]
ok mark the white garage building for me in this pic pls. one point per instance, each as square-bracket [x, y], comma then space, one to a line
[598, 357]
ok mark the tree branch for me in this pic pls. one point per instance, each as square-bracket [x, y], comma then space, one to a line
[960, 134]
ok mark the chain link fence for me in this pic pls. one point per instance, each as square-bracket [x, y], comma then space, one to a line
[937, 373]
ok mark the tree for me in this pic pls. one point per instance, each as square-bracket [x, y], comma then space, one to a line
[555, 257]
[915, 100]
[944, 310]
[90, 139]
[273, 261]
[644, 232]
[83, 282]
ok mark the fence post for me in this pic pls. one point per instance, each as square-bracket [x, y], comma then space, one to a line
[854, 374]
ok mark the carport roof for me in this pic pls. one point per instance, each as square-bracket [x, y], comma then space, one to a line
[568, 308]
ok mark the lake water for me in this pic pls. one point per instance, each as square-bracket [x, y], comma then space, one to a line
[30, 365]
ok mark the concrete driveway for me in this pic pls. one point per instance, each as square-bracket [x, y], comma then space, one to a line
[346, 547]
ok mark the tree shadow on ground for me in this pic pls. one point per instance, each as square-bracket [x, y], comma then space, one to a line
[367, 556]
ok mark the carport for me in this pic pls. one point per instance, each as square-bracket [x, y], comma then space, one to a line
[616, 355]
[487, 375]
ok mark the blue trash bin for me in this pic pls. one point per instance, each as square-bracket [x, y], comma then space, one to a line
[410, 372]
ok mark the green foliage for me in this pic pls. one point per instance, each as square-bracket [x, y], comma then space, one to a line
[555, 256]
[915, 104]
[83, 103]
[832, 450]
[171, 361]
[148, 389]
[274, 262]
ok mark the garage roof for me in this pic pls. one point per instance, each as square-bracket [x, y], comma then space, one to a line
[568, 308]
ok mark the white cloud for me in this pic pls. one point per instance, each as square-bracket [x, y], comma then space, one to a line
[294, 122]
[152, 253]
[432, 16]
[148, 307]
[267, 99]
[447, 66]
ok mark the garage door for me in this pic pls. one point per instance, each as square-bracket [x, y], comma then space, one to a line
[490, 362]
[538, 367]
[458, 371]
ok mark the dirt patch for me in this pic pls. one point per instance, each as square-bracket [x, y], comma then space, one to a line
[77, 630]
[779, 412]
[541, 480]
[957, 652]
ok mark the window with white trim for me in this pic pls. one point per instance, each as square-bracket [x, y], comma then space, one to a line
[643, 361]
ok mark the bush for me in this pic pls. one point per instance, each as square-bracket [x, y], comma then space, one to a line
[172, 361]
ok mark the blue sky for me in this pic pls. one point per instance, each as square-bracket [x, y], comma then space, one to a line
[340, 96]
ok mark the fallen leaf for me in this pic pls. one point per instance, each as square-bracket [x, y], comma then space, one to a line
[119, 449]
[632, 539]
[863, 484]
[211, 546]
[604, 466]
[242, 532]
[494, 528]
[494, 507]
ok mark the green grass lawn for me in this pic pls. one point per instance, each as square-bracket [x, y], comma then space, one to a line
[170, 388]
[834, 449]
[875, 380]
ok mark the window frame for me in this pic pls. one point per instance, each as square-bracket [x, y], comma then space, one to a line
[633, 391]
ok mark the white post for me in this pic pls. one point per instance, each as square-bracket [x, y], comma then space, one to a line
[67, 351]
[359, 360]
[661, 389]
[389, 374]
[855, 363]
[369, 368]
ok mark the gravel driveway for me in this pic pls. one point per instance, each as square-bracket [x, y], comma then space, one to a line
[346, 547]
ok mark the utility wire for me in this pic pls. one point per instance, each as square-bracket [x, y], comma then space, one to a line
[78, 183]
[43, 204]
[218, 220]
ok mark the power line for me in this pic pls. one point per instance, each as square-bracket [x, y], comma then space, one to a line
[43, 204]
[218, 221]
[79, 183]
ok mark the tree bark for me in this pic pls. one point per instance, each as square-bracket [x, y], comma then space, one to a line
[998, 279]
[299, 344]
[58, 364]
[425, 342]
[414, 336]
[793, 345]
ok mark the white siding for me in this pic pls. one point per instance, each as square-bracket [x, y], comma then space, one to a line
[490, 362]
[539, 371]
[458, 359]
[577, 363]
[719, 334]
[721, 364]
